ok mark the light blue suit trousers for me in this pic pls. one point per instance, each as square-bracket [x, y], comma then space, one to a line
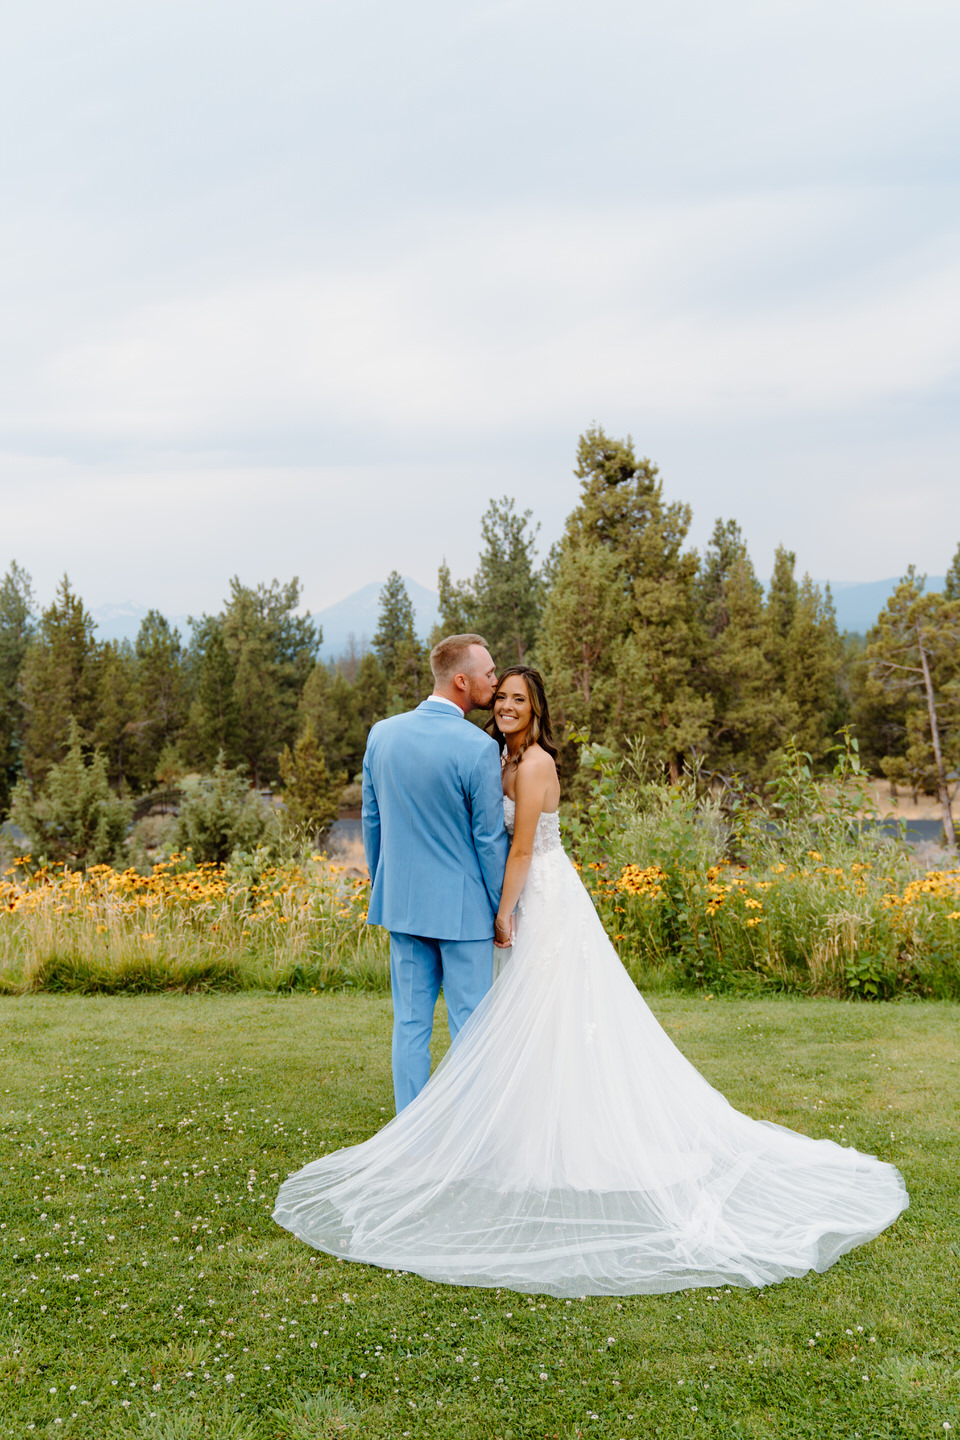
[436, 848]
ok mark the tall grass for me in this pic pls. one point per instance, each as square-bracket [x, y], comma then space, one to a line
[695, 891]
[186, 927]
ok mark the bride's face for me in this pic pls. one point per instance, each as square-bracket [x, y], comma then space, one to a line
[511, 706]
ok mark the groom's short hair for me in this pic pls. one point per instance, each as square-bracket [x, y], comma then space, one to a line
[452, 656]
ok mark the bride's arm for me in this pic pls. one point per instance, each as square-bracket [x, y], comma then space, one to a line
[535, 775]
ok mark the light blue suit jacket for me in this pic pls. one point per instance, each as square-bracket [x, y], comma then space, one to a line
[433, 827]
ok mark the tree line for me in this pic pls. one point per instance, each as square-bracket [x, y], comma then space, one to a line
[638, 637]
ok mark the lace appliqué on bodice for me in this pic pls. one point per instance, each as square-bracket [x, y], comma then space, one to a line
[547, 837]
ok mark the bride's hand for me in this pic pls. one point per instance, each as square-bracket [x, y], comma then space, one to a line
[503, 933]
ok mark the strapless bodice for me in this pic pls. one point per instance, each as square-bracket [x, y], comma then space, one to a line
[547, 837]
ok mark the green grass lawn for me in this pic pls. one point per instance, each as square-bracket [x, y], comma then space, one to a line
[145, 1290]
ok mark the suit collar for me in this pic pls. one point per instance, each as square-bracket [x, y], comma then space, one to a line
[439, 706]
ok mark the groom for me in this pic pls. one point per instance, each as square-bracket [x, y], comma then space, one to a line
[436, 848]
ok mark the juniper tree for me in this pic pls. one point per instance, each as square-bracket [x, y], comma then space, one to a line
[73, 818]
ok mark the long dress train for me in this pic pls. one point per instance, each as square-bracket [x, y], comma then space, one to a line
[564, 1145]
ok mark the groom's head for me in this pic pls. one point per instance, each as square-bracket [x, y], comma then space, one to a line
[463, 671]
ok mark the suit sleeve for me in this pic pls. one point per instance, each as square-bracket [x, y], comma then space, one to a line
[489, 833]
[370, 818]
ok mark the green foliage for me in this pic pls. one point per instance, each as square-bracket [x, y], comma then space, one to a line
[311, 794]
[17, 629]
[813, 661]
[220, 815]
[456, 604]
[116, 729]
[620, 635]
[913, 652]
[59, 680]
[162, 699]
[826, 907]
[503, 600]
[402, 658]
[951, 587]
[75, 818]
[747, 722]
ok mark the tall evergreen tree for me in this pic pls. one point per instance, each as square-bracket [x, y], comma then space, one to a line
[814, 661]
[457, 606]
[311, 793]
[162, 697]
[116, 729]
[17, 629]
[506, 587]
[213, 726]
[273, 651]
[914, 651]
[780, 610]
[951, 587]
[644, 673]
[370, 692]
[746, 728]
[401, 656]
[59, 680]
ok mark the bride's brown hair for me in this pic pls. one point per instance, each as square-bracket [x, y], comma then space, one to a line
[540, 732]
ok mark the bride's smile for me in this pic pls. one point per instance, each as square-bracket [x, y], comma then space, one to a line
[511, 707]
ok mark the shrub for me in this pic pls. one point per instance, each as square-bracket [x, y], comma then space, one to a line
[220, 814]
[76, 819]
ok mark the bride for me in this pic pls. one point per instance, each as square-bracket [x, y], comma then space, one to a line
[564, 1145]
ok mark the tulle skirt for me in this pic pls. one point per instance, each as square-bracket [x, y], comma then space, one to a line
[565, 1146]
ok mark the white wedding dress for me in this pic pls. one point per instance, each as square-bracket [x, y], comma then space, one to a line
[565, 1146]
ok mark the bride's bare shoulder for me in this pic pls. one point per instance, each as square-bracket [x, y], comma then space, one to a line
[537, 765]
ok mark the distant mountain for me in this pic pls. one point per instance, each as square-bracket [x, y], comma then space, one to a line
[357, 616]
[860, 602]
[354, 616]
[122, 622]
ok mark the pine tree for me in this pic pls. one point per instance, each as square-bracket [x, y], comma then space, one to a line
[395, 643]
[780, 611]
[116, 729]
[457, 606]
[746, 729]
[370, 693]
[17, 629]
[162, 699]
[914, 651]
[273, 651]
[951, 587]
[213, 725]
[59, 680]
[643, 680]
[507, 587]
[813, 666]
[311, 793]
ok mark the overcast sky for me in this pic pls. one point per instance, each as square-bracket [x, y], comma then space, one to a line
[296, 288]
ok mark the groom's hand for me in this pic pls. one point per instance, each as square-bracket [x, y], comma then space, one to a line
[503, 934]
